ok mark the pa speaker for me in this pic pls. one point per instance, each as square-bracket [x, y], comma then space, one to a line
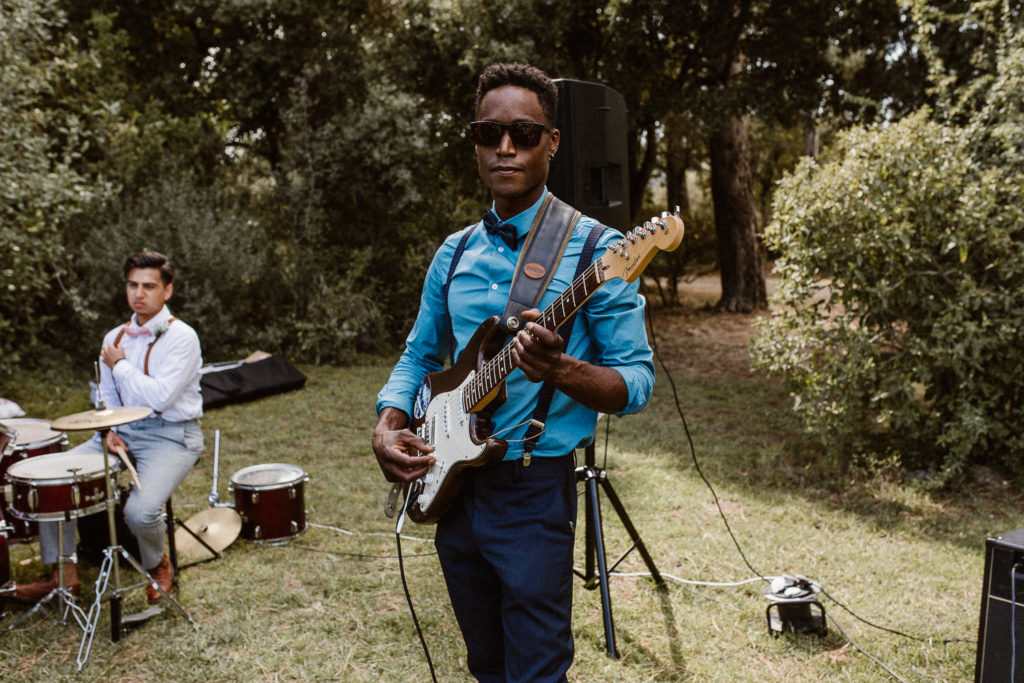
[591, 169]
[1001, 629]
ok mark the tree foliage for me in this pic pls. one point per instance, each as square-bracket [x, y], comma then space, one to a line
[315, 153]
[900, 306]
[42, 180]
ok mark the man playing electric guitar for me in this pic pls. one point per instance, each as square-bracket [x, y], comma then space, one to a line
[506, 541]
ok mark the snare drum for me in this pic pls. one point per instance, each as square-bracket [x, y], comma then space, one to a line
[271, 501]
[47, 487]
[22, 438]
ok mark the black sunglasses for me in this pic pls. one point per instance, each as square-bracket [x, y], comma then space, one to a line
[524, 134]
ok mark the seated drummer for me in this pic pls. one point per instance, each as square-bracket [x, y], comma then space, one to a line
[153, 361]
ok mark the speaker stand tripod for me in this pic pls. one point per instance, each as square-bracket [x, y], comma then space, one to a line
[596, 569]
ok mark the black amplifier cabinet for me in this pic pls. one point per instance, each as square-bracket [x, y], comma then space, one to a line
[1002, 611]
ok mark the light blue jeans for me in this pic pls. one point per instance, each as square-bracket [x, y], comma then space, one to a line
[164, 452]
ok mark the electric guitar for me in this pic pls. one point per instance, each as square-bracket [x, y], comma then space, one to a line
[453, 407]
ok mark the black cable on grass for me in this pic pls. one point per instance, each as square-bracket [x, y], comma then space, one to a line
[696, 464]
[693, 450]
[405, 585]
[865, 652]
[853, 614]
[412, 610]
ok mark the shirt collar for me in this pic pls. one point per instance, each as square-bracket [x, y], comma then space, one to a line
[153, 323]
[524, 219]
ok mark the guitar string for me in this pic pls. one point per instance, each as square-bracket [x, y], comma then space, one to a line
[476, 391]
[502, 362]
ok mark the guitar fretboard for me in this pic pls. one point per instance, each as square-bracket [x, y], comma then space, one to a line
[501, 366]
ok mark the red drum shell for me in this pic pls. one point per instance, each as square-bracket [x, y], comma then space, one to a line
[28, 437]
[271, 501]
[34, 437]
[5, 555]
[47, 487]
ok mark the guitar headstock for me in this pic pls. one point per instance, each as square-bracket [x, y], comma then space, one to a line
[628, 257]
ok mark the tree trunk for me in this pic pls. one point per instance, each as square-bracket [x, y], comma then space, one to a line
[739, 251]
[677, 161]
[811, 139]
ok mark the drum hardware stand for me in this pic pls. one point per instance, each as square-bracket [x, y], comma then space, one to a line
[592, 475]
[214, 501]
[111, 566]
[61, 593]
[102, 419]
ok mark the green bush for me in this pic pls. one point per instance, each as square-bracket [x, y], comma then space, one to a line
[42, 186]
[898, 316]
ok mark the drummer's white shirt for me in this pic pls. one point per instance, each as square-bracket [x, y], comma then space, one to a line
[172, 386]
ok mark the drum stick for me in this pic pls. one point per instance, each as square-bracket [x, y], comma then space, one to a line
[128, 464]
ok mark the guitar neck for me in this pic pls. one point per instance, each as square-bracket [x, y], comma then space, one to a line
[624, 259]
[554, 316]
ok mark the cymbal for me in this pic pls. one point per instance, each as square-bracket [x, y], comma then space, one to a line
[218, 527]
[100, 419]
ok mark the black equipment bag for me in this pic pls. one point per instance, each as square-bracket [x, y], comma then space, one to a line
[249, 381]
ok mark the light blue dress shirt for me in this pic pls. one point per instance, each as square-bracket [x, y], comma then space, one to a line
[609, 332]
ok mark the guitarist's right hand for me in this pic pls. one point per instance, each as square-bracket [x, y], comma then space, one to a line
[398, 449]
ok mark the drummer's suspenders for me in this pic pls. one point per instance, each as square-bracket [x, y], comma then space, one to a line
[149, 350]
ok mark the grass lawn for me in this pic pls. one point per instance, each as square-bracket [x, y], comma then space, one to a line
[329, 606]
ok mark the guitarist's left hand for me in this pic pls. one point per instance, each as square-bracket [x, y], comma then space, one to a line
[536, 350]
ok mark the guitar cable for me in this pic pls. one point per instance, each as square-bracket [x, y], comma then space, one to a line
[411, 497]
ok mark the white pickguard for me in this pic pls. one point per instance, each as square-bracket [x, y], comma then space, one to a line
[446, 428]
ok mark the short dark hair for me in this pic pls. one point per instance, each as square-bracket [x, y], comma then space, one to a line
[523, 76]
[151, 259]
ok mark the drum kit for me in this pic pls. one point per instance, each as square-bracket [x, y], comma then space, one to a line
[45, 483]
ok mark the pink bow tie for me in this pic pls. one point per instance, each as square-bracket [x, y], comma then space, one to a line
[138, 332]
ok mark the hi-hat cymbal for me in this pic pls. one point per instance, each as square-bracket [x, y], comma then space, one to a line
[100, 419]
[217, 527]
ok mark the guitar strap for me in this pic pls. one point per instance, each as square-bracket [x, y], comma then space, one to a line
[542, 251]
[537, 263]
[547, 391]
[539, 259]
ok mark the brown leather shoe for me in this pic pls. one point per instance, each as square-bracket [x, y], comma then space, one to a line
[163, 574]
[41, 588]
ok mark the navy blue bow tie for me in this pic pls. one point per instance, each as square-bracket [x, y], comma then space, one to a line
[506, 231]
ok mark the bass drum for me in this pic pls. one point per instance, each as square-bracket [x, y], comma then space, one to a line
[22, 438]
[271, 501]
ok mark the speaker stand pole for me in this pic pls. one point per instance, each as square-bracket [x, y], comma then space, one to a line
[595, 558]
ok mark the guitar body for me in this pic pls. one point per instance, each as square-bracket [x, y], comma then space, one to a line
[460, 437]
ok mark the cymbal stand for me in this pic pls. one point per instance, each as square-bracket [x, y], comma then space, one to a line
[61, 592]
[592, 476]
[111, 567]
[213, 499]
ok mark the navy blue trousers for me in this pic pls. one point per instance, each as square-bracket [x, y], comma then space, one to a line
[506, 549]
